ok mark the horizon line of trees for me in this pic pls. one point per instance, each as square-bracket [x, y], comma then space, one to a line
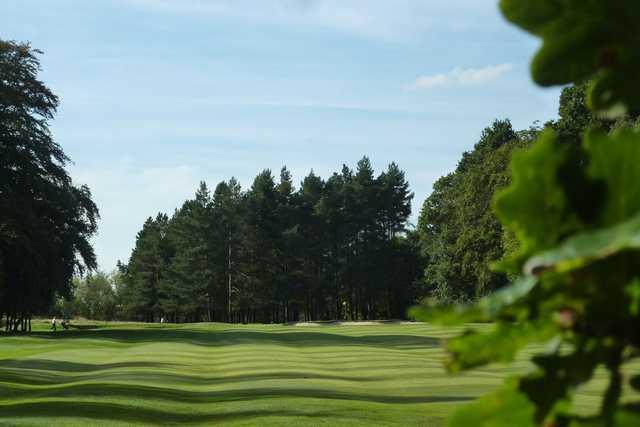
[338, 248]
[460, 236]
[334, 249]
[331, 249]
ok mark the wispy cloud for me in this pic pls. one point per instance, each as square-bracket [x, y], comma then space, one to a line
[384, 19]
[460, 77]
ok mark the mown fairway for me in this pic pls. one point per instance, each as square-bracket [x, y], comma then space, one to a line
[386, 374]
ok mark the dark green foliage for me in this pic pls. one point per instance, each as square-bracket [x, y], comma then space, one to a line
[147, 269]
[328, 250]
[459, 234]
[574, 117]
[573, 205]
[184, 290]
[45, 221]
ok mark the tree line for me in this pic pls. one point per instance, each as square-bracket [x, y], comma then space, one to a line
[459, 234]
[335, 248]
[340, 248]
[331, 249]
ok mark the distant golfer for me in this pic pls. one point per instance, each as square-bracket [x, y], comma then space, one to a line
[53, 323]
[162, 320]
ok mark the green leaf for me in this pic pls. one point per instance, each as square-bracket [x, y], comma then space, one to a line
[535, 206]
[505, 408]
[556, 378]
[581, 40]
[633, 293]
[614, 160]
[585, 248]
[493, 305]
[611, 95]
[487, 309]
[627, 416]
[499, 345]
[530, 15]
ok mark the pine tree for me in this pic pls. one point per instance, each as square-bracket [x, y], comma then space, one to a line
[274, 254]
[147, 268]
[263, 234]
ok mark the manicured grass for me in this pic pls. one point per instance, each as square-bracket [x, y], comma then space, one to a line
[388, 374]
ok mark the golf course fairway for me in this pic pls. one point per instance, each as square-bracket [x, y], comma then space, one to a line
[123, 374]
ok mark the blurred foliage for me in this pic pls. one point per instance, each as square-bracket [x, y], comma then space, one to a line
[582, 40]
[575, 211]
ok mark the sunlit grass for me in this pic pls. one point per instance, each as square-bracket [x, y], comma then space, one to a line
[245, 375]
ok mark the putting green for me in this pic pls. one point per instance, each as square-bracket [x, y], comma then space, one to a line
[387, 374]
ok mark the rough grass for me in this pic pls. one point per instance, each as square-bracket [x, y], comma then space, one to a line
[123, 374]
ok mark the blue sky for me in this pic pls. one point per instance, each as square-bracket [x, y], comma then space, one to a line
[160, 94]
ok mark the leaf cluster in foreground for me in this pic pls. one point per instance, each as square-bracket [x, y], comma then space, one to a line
[577, 221]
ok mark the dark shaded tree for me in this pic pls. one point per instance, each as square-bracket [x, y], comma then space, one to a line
[460, 236]
[45, 220]
[147, 270]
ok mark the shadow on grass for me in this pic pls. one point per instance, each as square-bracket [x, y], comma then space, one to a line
[219, 396]
[28, 375]
[64, 366]
[223, 338]
[84, 327]
[132, 414]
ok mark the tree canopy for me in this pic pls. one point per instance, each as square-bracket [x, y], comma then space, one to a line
[330, 249]
[459, 234]
[45, 220]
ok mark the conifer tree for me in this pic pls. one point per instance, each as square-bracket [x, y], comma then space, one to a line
[276, 253]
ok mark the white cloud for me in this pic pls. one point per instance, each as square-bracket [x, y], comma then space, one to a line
[460, 77]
